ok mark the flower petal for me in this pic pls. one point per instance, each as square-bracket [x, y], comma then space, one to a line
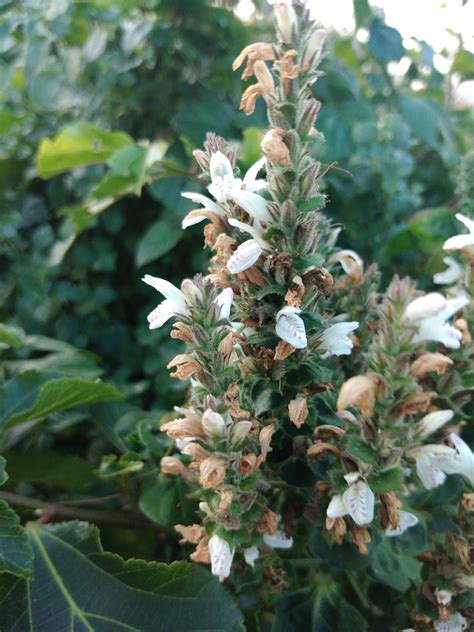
[250, 179]
[169, 291]
[251, 555]
[161, 314]
[406, 521]
[278, 540]
[359, 500]
[290, 327]
[428, 471]
[336, 508]
[255, 205]
[244, 257]
[219, 166]
[208, 204]
[224, 301]
[221, 556]
[452, 274]
[458, 242]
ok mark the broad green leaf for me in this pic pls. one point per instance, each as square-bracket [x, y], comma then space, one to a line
[394, 569]
[385, 42]
[362, 12]
[16, 556]
[78, 586]
[9, 337]
[34, 395]
[76, 145]
[51, 468]
[160, 238]
[167, 504]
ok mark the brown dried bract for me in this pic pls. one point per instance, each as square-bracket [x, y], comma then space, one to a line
[321, 279]
[327, 431]
[414, 403]
[268, 523]
[361, 537]
[284, 350]
[296, 292]
[259, 51]
[232, 399]
[212, 471]
[182, 332]
[190, 534]
[288, 69]
[201, 554]
[298, 410]
[186, 367]
[336, 528]
[429, 363]
[359, 391]
[265, 88]
[274, 147]
[317, 450]
[389, 506]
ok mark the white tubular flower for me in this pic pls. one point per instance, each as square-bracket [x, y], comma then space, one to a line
[455, 623]
[432, 422]
[224, 301]
[290, 327]
[173, 305]
[225, 186]
[313, 49]
[251, 555]
[458, 461]
[359, 499]
[210, 208]
[278, 540]
[221, 556]
[335, 340]
[428, 471]
[244, 257]
[213, 423]
[458, 242]
[406, 521]
[286, 21]
[430, 313]
[452, 274]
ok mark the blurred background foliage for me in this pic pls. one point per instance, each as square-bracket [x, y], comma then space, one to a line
[101, 104]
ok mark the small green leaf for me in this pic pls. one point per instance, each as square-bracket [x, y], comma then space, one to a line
[386, 481]
[16, 556]
[10, 337]
[160, 238]
[385, 42]
[360, 449]
[76, 145]
[362, 12]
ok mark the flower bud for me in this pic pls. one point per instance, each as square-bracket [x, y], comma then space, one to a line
[221, 556]
[274, 148]
[213, 424]
[432, 422]
[191, 291]
[287, 22]
[313, 49]
[172, 465]
[239, 432]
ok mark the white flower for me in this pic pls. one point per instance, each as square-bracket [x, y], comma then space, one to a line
[455, 623]
[443, 596]
[224, 186]
[452, 274]
[358, 501]
[460, 461]
[249, 251]
[221, 556]
[430, 313]
[278, 540]
[224, 301]
[432, 422]
[286, 21]
[433, 462]
[213, 423]
[335, 340]
[406, 521]
[461, 241]
[428, 471]
[210, 209]
[290, 327]
[251, 555]
[173, 305]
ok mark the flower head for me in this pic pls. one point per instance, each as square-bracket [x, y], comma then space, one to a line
[335, 339]
[358, 501]
[290, 327]
[173, 305]
[430, 313]
[459, 242]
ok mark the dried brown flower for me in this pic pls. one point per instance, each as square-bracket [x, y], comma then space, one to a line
[296, 292]
[428, 363]
[183, 428]
[212, 471]
[389, 506]
[191, 534]
[361, 537]
[336, 528]
[317, 450]
[283, 350]
[414, 403]
[259, 51]
[288, 70]
[298, 410]
[265, 88]
[274, 147]
[268, 523]
[359, 391]
[186, 367]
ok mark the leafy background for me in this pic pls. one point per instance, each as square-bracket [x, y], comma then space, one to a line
[101, 104]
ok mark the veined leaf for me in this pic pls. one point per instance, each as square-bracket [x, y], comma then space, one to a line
[78, 586]
[16, 556]
[35, 395]
[79, 144]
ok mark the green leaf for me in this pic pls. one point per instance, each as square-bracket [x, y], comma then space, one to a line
[34, 395]
[160, 238]
[3, 472]
[386, 481]
[343, 557]
[9, 337]
[78, 586]
[16, 556]
[51, 468]
[394, 569]
[167, 503]
[76, 145]
[362, 12]
[360, 449]
[385, 42]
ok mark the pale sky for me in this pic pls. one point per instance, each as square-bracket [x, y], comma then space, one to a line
[424, 19]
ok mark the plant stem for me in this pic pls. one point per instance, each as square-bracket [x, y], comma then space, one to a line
[51, 512]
